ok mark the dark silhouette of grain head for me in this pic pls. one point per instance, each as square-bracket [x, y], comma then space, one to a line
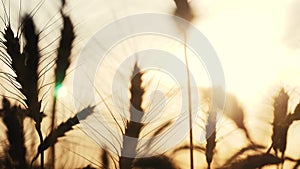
[134, 125]
[210, 136]
[13, 121]
[281, 123]
[254, 161]
[235, 112]
[183, 10]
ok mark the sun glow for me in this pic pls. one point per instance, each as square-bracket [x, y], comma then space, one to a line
[60, 91]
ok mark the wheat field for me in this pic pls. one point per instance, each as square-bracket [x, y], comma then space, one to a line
[62, 106]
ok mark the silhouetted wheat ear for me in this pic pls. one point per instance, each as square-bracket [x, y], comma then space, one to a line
[157, 162]
[210, 136]
[280, 133]
[64, 50]
[17, 60]
[158, 132]
[63, 128]
[241, 152]
[254, 162]
[281, 123]
[280, 107]
[187, 147]
[183, 10]
[62, 64]
[15, 135]
[235, 112]
[12, 45]
[134, 125]
[31, 54]
[25, 64]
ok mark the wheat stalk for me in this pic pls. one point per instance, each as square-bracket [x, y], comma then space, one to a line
[62, 129]
[62, 64]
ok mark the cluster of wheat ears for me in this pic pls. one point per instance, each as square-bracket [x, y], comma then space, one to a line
[22, 59]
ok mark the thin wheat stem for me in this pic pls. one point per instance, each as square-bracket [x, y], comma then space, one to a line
[38, 129]
[53, 125]
[189, 103]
